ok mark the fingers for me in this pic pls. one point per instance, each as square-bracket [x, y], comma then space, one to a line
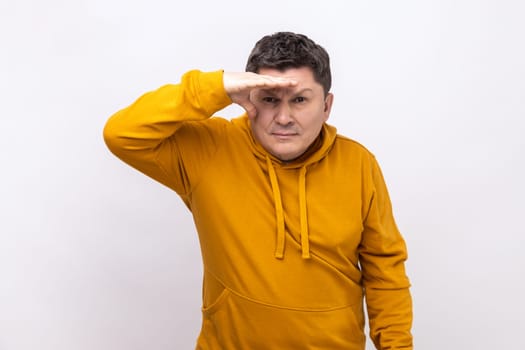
[235, 83]
[267, 81]
[249, 108]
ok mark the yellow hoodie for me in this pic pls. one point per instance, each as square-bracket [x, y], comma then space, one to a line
[289, 249]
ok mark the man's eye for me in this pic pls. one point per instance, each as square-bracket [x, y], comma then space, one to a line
[269, 99]
[299, 99]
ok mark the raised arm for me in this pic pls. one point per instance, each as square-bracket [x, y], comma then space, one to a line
[166, 126]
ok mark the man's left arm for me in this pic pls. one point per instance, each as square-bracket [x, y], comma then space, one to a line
[382, 255]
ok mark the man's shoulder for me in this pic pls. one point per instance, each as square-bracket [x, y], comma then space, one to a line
[349, 144]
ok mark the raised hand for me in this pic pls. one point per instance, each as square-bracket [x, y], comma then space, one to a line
[239, 85]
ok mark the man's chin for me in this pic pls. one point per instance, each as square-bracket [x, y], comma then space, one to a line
[286, 155]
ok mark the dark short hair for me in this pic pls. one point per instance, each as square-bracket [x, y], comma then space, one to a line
[285, 50]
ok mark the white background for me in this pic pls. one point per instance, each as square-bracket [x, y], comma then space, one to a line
[94, 255]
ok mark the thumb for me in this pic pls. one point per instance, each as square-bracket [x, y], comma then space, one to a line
[249, 108]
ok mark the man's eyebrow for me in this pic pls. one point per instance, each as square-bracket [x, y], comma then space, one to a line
[303, 91]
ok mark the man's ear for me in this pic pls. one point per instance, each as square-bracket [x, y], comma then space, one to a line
[328, 101]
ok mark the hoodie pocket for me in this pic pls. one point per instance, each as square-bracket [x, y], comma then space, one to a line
[235, 322]
[210, 309]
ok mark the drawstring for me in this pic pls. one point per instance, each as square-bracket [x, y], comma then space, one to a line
[305, 243]
[279, 213]
[279, 249]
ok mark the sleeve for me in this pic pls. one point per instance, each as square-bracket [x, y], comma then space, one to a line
[166, 133]
[382, 255]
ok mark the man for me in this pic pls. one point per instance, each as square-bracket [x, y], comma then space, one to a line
[294, 221]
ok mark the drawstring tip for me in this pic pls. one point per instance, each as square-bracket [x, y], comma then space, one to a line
[306, 255]
[279, 255]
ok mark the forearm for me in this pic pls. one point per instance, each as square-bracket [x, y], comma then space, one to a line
[157, 115]
[390, 318]
[388, 299]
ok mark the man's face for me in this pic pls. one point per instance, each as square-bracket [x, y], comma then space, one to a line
[289, 120]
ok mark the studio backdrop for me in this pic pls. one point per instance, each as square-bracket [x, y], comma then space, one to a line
[94, 255]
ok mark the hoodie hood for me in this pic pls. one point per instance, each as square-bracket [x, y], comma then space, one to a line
[315, 153]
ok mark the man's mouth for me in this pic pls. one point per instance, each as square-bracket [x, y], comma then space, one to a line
[283, 133]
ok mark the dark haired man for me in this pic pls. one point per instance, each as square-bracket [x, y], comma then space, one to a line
[294, 220]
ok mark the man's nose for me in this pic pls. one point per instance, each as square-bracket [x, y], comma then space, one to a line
[284, 115]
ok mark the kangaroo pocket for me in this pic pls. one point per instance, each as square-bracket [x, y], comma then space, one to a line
[235, 322]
